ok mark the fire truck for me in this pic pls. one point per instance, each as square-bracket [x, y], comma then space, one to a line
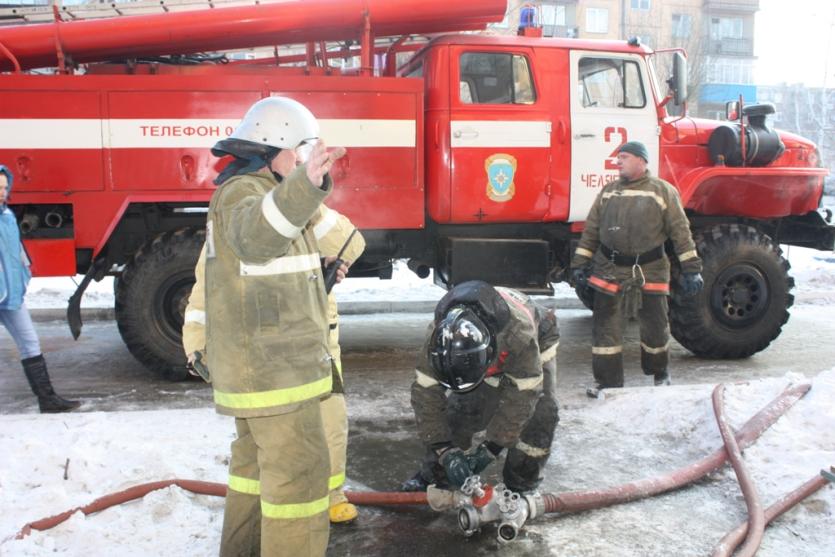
[475, 157]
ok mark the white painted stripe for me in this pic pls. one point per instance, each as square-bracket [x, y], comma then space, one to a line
[637, 193]
[526, 383]
[498, 134]
[424, 380]
[326, 224]
[530, 450]
[493, 381]
[53, 133]
[282, 265]
[277, 219]
[659, 350]
[606, 350]
[688, 255]
[195, 316]
[199, 133]
[583, 252]
[549, 354]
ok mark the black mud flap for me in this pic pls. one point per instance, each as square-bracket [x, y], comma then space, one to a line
[74, 304]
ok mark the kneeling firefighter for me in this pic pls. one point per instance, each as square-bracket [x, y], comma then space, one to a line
[493, 350]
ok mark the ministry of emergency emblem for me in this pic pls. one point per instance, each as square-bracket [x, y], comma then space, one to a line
[500, 168]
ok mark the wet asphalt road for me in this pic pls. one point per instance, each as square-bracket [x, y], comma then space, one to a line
[378, 358]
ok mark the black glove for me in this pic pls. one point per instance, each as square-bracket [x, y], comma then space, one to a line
[456, 467]
[483, 456]
[580, 277]
[691, 283]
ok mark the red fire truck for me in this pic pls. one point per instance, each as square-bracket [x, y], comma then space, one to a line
[478, 157]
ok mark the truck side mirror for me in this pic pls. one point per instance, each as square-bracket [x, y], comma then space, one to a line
[732, 110]
[678, 83]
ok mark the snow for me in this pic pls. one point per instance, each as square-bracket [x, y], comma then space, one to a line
[107, 452]
[813, 270]
[638, 432]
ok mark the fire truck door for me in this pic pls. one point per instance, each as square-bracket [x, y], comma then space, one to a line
[500, 137]
[611, 103]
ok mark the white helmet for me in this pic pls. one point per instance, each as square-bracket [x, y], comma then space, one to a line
[278, 122]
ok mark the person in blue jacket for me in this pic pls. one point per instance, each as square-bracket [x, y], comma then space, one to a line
[14, 277]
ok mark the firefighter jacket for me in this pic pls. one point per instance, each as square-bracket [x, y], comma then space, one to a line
[330, 228]
[630, 219]
[526, 340]
[14, 264]
[266, 307]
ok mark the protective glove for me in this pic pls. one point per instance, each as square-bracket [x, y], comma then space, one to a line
[456, 467]
[483, 456]
[580, 277]
[691, 283]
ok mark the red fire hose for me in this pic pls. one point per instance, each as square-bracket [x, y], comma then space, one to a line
[563, 503]
[756, 516]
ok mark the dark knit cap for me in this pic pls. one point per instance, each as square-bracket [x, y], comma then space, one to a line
[635, 148]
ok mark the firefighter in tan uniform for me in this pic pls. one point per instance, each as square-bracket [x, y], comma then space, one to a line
[493, 351]
[267, 330]
[621, 256]
[332, 230]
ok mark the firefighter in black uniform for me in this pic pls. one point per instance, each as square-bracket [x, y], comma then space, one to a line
[621, 256]
[494, 351]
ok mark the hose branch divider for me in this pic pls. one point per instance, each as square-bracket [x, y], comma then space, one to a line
[575, 501]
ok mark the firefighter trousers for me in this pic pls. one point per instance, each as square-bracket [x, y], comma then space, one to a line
[277, 500]
[607, 337]
[335, 422]
[469, 413]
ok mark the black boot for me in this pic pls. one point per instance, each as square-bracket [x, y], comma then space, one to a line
[48, 401]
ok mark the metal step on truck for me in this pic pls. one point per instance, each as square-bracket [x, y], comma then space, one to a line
[472, 156]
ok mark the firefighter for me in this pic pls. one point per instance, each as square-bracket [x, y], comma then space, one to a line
[332, 230]
[14, 278]
[493, 350]
[267, 329]
[621, 256]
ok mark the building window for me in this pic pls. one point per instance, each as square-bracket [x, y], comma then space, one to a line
[726, 28]
[597, 20]
[610, 83]
[640, 4]
[682, 24]
[488, 78]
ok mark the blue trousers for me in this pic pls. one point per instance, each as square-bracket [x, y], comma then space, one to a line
[19, 324]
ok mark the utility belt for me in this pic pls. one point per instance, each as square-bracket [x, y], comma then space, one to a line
[623, 259]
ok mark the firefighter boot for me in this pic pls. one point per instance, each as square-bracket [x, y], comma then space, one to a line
[662, 379]
[342, 513]
[48, 401]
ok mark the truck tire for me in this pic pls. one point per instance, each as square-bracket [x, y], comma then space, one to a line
[151, 297]
[745, 300]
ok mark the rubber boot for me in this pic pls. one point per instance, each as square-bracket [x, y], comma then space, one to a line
[662, 379]
[48, 401]
[342, 513]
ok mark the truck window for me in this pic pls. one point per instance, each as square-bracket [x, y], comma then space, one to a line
[611, 83]
[495, 78]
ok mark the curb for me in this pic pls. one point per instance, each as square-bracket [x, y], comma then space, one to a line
[345, 308]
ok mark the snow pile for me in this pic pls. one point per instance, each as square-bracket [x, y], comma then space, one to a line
[641, 432]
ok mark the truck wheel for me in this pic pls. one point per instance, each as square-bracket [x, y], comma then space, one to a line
[151, 297]
[745, 301]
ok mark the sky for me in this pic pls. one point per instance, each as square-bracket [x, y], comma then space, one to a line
[794, 41]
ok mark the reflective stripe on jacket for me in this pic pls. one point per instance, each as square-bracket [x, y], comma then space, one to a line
[266, 307]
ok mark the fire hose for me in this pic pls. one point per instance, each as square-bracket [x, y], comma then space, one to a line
[479, 505]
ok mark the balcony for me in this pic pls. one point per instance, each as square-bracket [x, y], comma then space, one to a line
[715, 6]
[731, 47]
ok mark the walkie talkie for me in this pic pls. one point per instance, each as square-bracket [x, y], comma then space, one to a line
[330, 270]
